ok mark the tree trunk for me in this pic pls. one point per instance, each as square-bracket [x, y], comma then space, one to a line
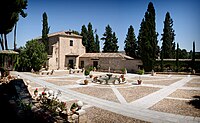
[15, 32]
[2, 42]
[6, 42]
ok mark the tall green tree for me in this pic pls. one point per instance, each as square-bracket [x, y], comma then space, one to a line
[90, 39]
[45, 32]
[97, 45]
[193, 55]
[130, 43]
[10, 11]
[107, 37]
[33, 55]
[110, 40]
[114, 42]
[177, 57]
[84, 33]
[147, 39]
[168, 37]
[161, 61]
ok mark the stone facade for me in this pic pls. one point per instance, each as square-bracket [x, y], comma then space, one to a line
[66, 51]
[114, 62]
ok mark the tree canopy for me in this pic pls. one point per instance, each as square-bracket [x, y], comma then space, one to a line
[130, 43]
[147, 39]
[45, 31]
[32, 56]
[110, 40]
[168, 35]
[10, 11]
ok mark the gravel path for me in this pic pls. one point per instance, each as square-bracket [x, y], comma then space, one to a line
[181, 107]
[188, 94]
[162, 82]
[134, 93]
[103, 93]
[61, 83]
[97, 115]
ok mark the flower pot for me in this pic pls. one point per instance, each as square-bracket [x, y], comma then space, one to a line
[35, 93]
[139, 82]
[85, 82]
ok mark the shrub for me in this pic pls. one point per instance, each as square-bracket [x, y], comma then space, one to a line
[140, 72]
[87, 72]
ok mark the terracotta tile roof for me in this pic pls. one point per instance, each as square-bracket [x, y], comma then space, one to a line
[101, 55]
[62, 33]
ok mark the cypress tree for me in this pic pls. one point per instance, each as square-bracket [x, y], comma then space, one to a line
[130, 43]
[84, 34]
[147, 39]
[45, 31]
[90, 41]
[193, 56]
[177, 57]
[97, 49]
[161, 61]
[168, 37]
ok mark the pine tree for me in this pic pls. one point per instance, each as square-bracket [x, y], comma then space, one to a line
[168, 37]
[107, 37]
[90, 36]
[130, 43]
[84, 34]
[45, 31]
[114, 43]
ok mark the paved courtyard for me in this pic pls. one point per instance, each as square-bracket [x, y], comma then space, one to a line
[160, 98]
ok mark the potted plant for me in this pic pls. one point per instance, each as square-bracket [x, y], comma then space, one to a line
[36, 92]
[139, 81]
[86, 73]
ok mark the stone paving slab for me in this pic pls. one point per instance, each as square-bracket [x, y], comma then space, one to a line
[132, 110]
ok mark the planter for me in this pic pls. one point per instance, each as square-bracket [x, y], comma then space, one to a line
[35, 93]
[91, 76]
[139, 82]
[85, 81]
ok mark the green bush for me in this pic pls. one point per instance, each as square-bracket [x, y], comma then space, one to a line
[87, 72]
[140, 72]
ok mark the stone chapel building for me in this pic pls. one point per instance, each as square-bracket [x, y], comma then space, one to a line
[67, 51]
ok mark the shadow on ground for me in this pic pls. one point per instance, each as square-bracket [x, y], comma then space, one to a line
[195, 102]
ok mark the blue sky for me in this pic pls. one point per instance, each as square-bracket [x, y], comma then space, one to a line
[119, 14]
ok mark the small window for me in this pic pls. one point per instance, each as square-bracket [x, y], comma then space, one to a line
[71, 42]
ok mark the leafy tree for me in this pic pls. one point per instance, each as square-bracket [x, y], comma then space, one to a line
[75, 32]
[90, 41]
[110, 40]
[168, 37]
[183, 54]
[130, 43]
[33, 55]
[9, 11]
[147, 39]
[45, 31]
